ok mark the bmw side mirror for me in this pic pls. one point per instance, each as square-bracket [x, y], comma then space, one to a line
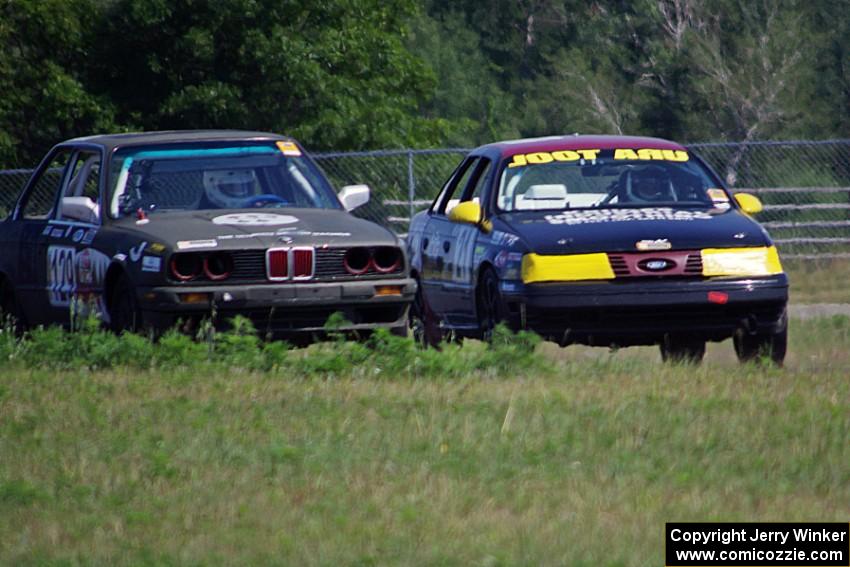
[353, 196]
[80, 209]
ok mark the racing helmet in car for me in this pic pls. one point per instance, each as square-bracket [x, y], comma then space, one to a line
[650, 184]
[229, 188]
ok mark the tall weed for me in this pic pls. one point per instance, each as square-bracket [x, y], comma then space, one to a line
[381, 355]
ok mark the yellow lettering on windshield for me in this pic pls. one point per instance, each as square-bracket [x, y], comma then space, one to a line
[548, 157]
[625, 154]
[566, 155]
[675, 155]
[651, 154]
[519, 160]
[647, 153]
[539, 157]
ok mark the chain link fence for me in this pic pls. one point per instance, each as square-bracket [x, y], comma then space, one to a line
[805, 186]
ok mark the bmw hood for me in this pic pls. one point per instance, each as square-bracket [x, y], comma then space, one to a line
[619, 230]
[257, 228]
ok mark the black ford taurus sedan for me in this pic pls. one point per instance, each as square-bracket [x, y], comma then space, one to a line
[155, 228]
[602, 240]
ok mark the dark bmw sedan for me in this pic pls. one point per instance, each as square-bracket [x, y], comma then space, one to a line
[152, 229]
[602, 240]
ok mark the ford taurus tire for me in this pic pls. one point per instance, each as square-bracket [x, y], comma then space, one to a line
[424, 326]
[772, 346]
[488, 303]
[682, 349]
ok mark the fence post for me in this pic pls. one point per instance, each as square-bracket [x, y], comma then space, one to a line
[411, 184]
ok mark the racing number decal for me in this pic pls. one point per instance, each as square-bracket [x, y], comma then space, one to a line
[61, 274]
[463, 253]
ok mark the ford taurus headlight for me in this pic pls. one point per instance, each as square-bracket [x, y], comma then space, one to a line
[573, 267]
[761, 261]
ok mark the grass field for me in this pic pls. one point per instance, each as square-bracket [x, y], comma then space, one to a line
[823, 281]
[570, 456]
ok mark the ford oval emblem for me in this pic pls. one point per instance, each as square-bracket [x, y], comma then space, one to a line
[656, 264]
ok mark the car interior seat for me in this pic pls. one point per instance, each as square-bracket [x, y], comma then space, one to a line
[544, 196]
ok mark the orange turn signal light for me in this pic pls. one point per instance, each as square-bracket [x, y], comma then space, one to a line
[194, 297]
[382, 290]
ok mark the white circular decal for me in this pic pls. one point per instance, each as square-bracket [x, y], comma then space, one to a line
[254, 219]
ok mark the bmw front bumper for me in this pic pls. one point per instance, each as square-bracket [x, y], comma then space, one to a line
[283, 308]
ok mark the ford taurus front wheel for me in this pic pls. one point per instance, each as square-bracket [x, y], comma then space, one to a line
[771, 345]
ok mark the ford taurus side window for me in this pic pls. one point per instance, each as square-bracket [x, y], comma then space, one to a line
[476, 183]
[42, 196]
[454, 189]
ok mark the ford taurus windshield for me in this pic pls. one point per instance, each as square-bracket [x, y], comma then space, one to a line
[590, 179]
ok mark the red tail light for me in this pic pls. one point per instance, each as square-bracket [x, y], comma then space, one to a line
[302, 263]
[277, 264]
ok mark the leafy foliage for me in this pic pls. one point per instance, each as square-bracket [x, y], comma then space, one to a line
[363, 74]
[240, 349]
[43, 57]
[335, 75]
[695, 70]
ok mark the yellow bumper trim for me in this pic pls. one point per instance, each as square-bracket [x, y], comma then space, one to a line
[574, 267]
[763, 261]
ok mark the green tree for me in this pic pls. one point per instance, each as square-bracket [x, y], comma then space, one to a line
[334, 74]
[42, 59]
[468, 92]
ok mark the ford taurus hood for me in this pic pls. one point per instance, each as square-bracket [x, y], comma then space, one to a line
[619, 230]
[252, 228]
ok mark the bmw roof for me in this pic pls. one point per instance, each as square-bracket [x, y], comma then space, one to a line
[111, 141]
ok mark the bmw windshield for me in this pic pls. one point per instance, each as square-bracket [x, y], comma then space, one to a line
[215, 176]
[595, 179]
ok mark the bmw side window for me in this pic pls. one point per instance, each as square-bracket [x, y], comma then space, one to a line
[44, 191]
[459, 180]
[81, 197]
